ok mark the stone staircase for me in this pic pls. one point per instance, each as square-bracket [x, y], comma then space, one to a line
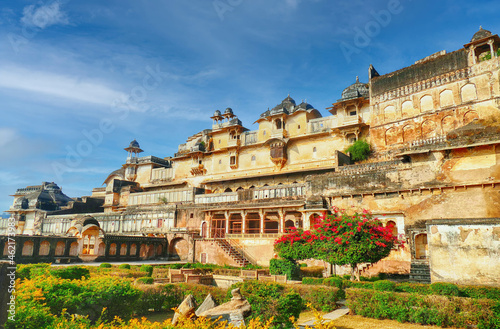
[232, 252]
[420, 272]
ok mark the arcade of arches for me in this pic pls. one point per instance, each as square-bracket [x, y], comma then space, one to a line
[255, 221]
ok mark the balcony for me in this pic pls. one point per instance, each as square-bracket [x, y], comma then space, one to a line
[234, 142]
[198, 170]
[216, 198]
[350, 120]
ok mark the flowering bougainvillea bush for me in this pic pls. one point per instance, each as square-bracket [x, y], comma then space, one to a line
[344, 238]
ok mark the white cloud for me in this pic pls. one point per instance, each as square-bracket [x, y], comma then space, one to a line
[62, 86]
[44, 15]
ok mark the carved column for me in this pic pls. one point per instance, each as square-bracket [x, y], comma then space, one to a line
[243, 222]
[282, 221]
[226, 216]
[261, 214]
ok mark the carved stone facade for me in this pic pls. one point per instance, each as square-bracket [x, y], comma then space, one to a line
[229, 192]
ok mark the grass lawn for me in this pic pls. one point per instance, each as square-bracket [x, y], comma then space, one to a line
[359, 322]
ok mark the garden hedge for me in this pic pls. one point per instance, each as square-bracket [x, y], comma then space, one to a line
[437, 310]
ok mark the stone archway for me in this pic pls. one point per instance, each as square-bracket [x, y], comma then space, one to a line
[28, 248]
[421, 248]
[179, 249]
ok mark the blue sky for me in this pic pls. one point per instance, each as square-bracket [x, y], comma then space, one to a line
[80, 79]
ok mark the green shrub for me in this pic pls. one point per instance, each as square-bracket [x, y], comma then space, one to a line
[270, 300]
[359, 151]
[313, 271]
[71, 272]
[443, 311]
[321, 298]
[200, 292]
[358, 284]
[418, 288]
[446, 289]
[148, 269]
[173, 296]
[83, 297]
[25, 271]
[312, 281]
[124, 266]
[105, 265]
[146, 280]
[30, 315]
[252, 267]
[152, 298]
[288, 267]
[334, 281]
[384, 285]
[480, 292]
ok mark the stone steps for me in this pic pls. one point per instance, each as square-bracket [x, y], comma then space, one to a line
[232, 252]
[420, 272]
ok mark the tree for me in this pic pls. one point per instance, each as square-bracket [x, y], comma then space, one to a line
[341, 239]
[360, 150]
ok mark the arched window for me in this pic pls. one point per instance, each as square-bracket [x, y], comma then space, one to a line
[394, 228]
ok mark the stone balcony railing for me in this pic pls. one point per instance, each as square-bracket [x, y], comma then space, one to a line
[216, 198]
[234, 142]
[350, 120]
[422, 85]
[267, 192]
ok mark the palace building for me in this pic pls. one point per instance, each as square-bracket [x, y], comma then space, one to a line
[229, 192]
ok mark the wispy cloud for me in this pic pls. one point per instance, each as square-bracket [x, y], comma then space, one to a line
[44, 15]
[58, 85]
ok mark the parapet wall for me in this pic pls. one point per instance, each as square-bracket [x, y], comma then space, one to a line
[454, 61]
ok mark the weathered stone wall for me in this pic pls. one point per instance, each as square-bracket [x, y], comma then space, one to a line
[213, 253]
[450, 62]
[465, 251]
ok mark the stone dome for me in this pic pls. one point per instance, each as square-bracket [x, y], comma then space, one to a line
[217, 113]
[134, 144]
[305, 106]
[288, 100]
[357, 89]
[481, 34]
[228, 111]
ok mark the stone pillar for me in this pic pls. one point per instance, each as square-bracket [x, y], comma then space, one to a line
[261, 214]
[282, 221]
[305, 221]
[492, 49]
[226, 216]
[243, 222]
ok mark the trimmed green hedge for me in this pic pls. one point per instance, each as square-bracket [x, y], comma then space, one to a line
[320, 298]
[105, 265]
[287, 267]
[271, 300]
[312, 281]
[148, 269]
[146, 280]
[125, 266]
[443, 311]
